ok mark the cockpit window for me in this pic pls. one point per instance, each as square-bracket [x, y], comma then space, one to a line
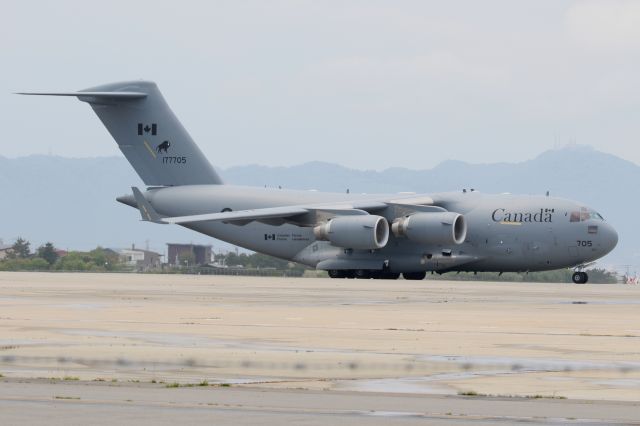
[584, 214]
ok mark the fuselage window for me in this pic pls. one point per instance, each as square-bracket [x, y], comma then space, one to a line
[575, 217]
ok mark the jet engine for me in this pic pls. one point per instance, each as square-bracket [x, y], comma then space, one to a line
[432, 228]
[362, 232]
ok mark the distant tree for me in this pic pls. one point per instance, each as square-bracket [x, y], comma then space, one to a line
[20, 249]
[33, 264]
[48, 253]
[259, 260]
[234, 259]
[97, 259]
[602, 276]
[102, 258]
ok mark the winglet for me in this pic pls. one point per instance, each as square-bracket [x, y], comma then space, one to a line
[147, 212]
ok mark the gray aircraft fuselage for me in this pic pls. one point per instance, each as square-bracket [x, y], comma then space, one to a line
[504, 232]
[375, 236]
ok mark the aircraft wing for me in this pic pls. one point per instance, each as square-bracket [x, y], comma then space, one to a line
[240, 215]
[286, 213]
[302, 214]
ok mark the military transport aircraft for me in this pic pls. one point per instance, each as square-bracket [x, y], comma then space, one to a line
[348, 235]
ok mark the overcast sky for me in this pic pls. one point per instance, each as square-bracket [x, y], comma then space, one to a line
[366, 84]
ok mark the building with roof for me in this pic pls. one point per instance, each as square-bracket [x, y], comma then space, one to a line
[141, 260]
[188, 254]
[5, 249]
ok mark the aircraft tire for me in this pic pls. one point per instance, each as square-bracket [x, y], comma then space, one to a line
[580, 277]
[414, 275]
[336, 273]
[389, 276]
[376, 275]
[362, 274]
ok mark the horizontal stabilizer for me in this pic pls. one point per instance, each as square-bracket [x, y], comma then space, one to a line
[104, 95]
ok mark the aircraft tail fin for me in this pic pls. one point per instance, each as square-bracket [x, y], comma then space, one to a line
[148, 133]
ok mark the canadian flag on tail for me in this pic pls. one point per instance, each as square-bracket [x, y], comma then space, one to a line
[146, 128]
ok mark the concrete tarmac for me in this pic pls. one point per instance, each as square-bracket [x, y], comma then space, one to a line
[42, 402]
[161, 349]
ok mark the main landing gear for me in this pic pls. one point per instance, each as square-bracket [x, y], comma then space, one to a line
[580, 277]
[414, 275]
[376, 275]
[363, 274]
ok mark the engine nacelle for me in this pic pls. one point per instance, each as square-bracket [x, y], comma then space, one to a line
[432, 228]
[362, 232]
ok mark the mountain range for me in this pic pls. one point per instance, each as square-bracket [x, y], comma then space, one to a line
[71, 201]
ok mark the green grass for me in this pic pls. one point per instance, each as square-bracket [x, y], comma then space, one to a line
[538, 396]
[172, 385]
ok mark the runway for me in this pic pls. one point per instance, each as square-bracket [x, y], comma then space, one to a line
[158, 349]
[41, 402]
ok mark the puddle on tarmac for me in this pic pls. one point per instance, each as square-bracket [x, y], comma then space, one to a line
[529, 364]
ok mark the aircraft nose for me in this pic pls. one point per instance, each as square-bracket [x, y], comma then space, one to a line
[609, 238]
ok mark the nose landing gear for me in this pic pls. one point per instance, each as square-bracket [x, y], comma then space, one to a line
[580, 277]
